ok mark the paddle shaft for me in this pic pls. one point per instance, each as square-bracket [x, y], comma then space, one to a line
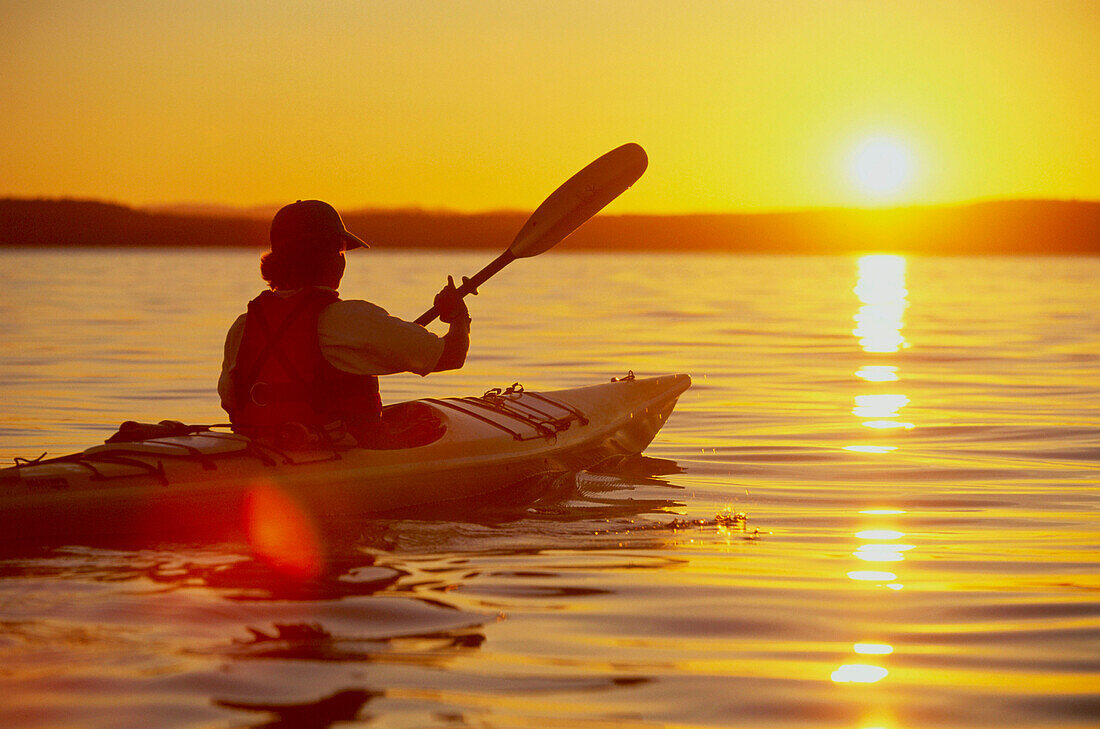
[470, 285]
[574, 202]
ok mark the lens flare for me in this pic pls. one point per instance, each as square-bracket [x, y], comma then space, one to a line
[281, 533]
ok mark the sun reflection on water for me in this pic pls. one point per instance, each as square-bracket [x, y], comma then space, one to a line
[870, 448]
[879, 547]
[879, 406]
[879, 322]
[881, 289]
[878, 373]
[887, 425]
[884, 534]
[882, 552]
[859, 673]
[872, 576]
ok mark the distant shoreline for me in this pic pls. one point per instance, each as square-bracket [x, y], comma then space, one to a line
[1012, 227]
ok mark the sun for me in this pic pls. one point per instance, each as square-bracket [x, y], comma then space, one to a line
[881, 167]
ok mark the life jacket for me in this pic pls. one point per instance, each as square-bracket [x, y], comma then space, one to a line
[281, 377]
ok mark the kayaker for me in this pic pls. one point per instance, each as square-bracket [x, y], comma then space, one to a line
[301, 365]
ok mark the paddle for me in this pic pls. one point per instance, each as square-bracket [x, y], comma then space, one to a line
[578, 199]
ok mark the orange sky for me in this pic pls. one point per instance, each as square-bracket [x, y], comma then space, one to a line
[742, 106]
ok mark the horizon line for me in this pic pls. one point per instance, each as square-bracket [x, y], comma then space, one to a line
[198, 209]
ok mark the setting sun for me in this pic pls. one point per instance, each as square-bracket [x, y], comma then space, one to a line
[881, 167]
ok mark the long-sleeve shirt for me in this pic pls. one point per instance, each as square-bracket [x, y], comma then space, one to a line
[355, 336]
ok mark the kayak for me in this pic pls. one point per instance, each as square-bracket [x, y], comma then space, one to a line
[446, 450]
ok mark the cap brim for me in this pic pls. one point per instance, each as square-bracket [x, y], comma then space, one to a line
[351, 241]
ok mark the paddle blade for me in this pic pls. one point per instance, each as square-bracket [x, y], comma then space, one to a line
[578, 199]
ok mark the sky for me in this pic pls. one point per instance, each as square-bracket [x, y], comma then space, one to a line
[467, 105]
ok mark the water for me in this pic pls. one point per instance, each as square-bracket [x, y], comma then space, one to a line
[887, 514]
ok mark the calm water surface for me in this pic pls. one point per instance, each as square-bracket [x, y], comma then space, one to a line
[884, 511]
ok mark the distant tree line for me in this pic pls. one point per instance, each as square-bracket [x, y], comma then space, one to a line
[1003, 227]
[92, 223]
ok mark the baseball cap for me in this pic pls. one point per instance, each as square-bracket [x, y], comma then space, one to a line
[307, 222]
